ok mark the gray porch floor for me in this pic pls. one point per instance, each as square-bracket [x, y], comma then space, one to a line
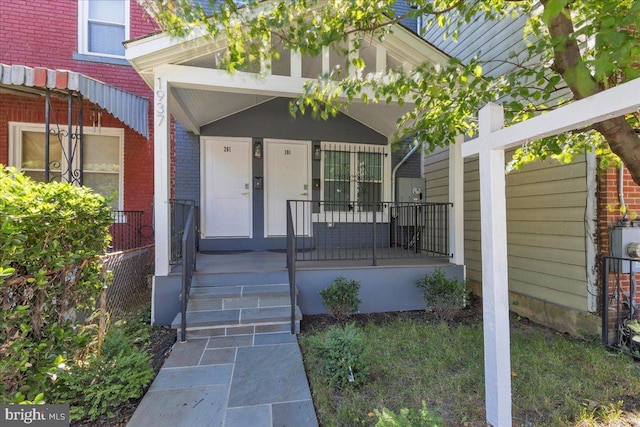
[272, 261]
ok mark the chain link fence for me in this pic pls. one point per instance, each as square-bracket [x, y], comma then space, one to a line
[127, 275]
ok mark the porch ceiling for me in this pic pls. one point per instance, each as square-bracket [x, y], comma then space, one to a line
[194, 108]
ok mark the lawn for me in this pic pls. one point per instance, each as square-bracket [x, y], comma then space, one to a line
[557, 380]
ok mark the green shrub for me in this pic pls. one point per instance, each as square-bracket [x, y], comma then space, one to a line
[341, 298]
[442, 295]
[340, 355]
[407, 418]
[50, 236]
[105, 380]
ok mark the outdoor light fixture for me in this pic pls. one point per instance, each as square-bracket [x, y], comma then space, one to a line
[316, 152]
[257, 150]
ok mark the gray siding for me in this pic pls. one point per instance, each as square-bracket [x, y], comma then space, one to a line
[546, 236]
[272, 120]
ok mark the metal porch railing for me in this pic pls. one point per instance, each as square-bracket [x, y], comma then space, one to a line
[620, 314]
[126, 230]
[291, 266]
[184, 242]
[368, 230]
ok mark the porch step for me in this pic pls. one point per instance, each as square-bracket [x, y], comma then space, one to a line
[238, 310]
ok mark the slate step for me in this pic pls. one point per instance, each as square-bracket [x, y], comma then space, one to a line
[243, 321]
[236, 297]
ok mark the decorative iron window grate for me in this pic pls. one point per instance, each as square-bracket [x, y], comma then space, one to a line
[353, 173]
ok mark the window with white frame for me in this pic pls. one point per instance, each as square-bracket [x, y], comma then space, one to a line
[102, 157]
[102, 27]
[353, 177]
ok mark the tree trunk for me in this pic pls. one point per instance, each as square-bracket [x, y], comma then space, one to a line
[568, 62]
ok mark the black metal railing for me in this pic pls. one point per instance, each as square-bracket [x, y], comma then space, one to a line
[125, 230]
[179, 212]
[620, 315]
[348, 230]
[188, 246]
[291, 266]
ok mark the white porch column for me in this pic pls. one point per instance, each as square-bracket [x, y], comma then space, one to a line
[162, 179]
[495, 280]
[456, 197]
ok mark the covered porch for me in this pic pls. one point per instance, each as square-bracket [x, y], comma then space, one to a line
[342, 169]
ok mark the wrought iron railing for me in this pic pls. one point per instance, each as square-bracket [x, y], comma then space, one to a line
[291, 266]
[184, 230]
[348, 230]
[125, 230]
[179, 211]
[620, 299]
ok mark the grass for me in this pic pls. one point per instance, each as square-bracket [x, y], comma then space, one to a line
[556, 380]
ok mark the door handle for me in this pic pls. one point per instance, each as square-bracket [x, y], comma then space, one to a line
[304, 194]
[245, 194]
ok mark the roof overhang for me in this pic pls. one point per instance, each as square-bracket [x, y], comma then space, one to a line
[202, 93]
[130, 109]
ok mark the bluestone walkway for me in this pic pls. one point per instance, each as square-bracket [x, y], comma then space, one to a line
[231, 381]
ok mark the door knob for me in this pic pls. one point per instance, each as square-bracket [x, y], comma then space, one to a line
[245, 194]
[304, 194]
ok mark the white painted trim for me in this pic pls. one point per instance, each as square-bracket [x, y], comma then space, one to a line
[591, 225]
[83, 29]
[265, 150]
[456, 197]
[162, 175]
[15, 153]
[203, 184]
[495, 275]
[614, 102]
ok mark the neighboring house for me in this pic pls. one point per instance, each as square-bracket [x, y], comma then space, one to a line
[78, 66]
[559, 217]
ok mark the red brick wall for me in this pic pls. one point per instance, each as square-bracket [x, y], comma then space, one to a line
[27, 38]
[609, 215]
[138, 151]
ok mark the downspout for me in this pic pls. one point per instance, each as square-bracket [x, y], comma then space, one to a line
[395, 171]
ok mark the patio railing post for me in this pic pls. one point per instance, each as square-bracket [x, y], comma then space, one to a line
[375, 207]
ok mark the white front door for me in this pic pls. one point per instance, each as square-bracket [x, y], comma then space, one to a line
[287, 178]
[226, 193]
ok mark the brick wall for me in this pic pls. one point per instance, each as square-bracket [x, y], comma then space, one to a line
[609, 215]
[138, 151]
[187, 161]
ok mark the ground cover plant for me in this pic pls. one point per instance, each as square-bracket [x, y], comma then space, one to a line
[56, 344]
[413, 358]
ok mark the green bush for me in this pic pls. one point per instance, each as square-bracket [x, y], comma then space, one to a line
[340, 355]
[50, 236]
[341, 298]
[442, 295]
[105, 380]
[407, 417]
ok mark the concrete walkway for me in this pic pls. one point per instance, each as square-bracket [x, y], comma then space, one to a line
[231, 381]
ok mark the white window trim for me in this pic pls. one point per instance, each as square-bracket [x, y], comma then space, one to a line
[15, 145]
[83, 29]
[341, 216]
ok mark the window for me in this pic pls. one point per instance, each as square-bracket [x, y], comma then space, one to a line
[102, 154]
[353, 177]
[102, 27]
